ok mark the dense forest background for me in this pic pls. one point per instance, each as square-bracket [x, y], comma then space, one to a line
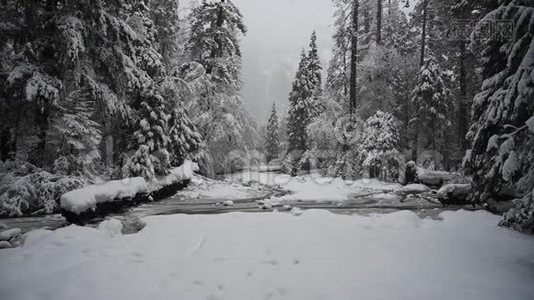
[448, 87]
[94, 90]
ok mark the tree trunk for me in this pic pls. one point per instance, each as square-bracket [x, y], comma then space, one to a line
[108, 140]
[423, 36]
[462, 106]
[5, 144]
[216, 52]
[366, 24]
[422, 62]
[354, 59]
[379, 22]
[415, 151]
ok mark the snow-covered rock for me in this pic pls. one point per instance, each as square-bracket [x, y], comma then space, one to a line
[455, 190]
[5, 245]
[228, 203]
[454, 194]
[87, 198]
[413, 189]
[132, 224]
[266, 206]
[269, 203]
[112, 227]
[9, 234]
[436, 179]
[287, 207]
[296, 211]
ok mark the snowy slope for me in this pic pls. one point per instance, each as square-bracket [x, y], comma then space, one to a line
[317, 255]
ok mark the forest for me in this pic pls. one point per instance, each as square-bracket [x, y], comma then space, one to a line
[99, 90]
[400, 164]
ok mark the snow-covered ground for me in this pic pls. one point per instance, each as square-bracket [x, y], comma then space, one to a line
[317, 255]
[314, 187]
[205, 188]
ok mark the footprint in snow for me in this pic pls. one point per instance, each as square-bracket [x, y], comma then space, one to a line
[270, 262]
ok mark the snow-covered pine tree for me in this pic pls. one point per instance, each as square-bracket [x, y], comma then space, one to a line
[86, 47]
[338, 73]
[323, 140]
[378, 73]
[74, 136]
[305, 99]
[152, 136]
[431, 103]
[166, 18]
[178, 86]
[299, 108]
[378, 151]
[314, 70]
[218, 112]
[185, 140]
[400, 39]
[501, 134]
[397, 32]
[434, 18]
[272, 144]
[214, 42]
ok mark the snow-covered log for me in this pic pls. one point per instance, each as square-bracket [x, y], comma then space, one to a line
[86, 198]
[82, 205]
[436, 179]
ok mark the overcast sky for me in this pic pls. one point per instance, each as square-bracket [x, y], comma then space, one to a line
[277, 32]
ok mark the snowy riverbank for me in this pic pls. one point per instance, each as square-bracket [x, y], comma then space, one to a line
[318, 255]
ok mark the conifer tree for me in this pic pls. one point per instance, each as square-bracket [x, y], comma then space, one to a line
[502, 133]
[218, 111]
[214, 40]
[272, 146]
[431, 102]
[165, 15]
[152, 135]
[338, 73]
[378, 151]
[185, 140]
[314, 70]
[299, 108]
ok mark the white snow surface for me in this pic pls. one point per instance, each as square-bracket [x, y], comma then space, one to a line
[205, 188]
[314, 187]
[88, 197]
[317, 255]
